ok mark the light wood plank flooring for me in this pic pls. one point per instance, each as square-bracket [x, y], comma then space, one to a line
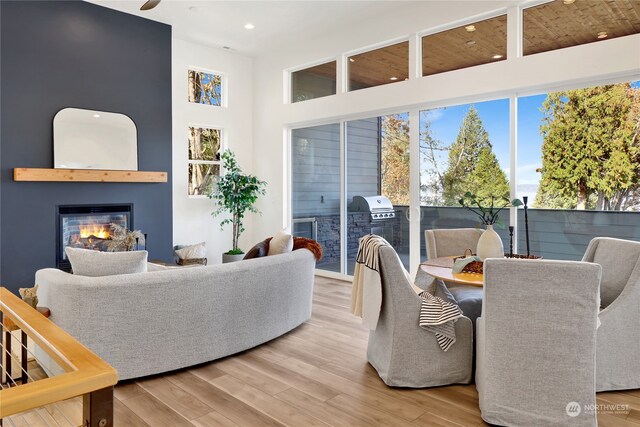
[316, 375]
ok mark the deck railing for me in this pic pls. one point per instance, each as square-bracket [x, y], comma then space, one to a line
[84, 373]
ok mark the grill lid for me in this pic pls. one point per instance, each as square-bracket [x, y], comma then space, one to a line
[380, 207]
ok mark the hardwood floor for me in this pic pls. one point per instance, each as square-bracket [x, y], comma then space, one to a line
[316, 375]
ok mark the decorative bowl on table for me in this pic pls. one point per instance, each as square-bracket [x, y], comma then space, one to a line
[474, 267]
[478, 266]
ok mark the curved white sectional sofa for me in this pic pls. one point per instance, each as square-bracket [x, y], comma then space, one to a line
[148, 323]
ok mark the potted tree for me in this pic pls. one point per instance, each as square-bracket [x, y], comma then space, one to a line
[236, 194]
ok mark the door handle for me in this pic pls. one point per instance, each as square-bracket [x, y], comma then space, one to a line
[407, 213]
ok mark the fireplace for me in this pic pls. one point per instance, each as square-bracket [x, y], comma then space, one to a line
[88, 227]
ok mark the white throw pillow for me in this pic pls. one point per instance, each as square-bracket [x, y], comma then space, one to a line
[85, 262]
[193, 251]
[281, 243]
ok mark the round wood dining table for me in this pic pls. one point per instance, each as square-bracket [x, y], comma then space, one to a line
[440, 268]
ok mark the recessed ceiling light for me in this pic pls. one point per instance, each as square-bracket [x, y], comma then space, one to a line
[249, 26]
[497, 56]
[394, 78]
[568, 1]
[96, 115]
[471, 42]
[352, 60]
[603, 35]
[470, 28]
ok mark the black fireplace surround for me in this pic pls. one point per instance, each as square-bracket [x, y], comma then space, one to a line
[87, 227]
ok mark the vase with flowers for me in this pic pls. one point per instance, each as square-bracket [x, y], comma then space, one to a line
[488, 210]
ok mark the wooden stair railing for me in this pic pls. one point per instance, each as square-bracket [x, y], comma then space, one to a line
[85, 374]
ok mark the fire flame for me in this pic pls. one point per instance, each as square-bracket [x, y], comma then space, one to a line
[99, 231]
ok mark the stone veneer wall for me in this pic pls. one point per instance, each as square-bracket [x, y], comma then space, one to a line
[358, 225]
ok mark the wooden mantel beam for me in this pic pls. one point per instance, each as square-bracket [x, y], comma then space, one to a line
[86, 175]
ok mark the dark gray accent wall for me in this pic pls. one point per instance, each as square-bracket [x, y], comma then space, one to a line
[57, 54]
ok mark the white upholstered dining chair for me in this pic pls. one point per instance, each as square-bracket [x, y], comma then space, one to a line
[403, 353]
[451, 241]
[536, 342]
[618, 344]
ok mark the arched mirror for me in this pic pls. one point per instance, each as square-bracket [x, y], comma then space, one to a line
[89, 139]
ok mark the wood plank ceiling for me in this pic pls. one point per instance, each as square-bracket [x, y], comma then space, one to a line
[564, 23]
[382, 66]
[466, 46]
[549, 26]
[326, 70]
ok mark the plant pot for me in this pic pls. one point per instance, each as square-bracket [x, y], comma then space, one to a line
[490, 244]
[231, 258]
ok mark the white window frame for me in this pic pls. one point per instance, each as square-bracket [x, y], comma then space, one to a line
[288, 77]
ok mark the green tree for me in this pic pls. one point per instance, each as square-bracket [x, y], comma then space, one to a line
[432, 177]
[487, 178]
[395, 158]
[591, 149]
[472, 165]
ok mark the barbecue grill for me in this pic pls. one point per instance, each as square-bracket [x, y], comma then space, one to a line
[381, 214]
[380, 208]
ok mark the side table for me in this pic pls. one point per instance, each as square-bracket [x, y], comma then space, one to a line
[9, 327]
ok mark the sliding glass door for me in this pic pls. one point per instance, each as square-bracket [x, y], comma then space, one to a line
[316, 189]
[579, 166]
[463, 148]
[345, 185]
[576, 166]
[377, 191]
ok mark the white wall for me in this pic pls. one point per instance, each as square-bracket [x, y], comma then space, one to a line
[192, 220]
[609, 59]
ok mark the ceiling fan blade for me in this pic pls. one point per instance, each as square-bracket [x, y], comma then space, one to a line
[150, 4]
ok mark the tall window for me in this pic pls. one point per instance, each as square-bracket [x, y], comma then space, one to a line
[315, 189]
[464, 148]
[579, 165]
[205, 88]
[204, 159]
[377, 152]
